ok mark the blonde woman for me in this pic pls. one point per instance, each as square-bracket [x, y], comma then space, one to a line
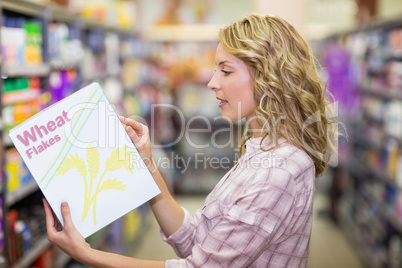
[260, 213]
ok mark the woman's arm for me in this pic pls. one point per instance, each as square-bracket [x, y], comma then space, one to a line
[166, 210]
[73, 243]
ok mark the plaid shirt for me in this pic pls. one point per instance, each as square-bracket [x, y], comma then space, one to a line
[258, 215]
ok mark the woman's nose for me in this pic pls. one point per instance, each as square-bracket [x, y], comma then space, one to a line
[213, 83]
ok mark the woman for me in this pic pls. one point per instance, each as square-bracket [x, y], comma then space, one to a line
[260, 213]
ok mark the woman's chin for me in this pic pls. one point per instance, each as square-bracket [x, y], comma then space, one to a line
[229, 118]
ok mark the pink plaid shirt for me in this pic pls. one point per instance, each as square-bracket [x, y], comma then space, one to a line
[258, 215]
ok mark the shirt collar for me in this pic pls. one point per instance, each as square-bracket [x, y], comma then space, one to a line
[254, 145]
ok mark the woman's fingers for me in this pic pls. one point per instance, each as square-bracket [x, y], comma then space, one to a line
[65, 212]
[137, 140]
[136, 131]
[49, 217]
[133, 136]
[68, 238]
[138, 127]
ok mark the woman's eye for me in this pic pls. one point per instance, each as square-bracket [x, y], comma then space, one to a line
[226, 73]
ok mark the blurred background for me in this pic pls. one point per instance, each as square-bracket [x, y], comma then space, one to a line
[154, 59]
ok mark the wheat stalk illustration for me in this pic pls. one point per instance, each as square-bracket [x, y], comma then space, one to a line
[91, 167]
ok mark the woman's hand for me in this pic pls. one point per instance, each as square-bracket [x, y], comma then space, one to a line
[139, 135]
[68, 238]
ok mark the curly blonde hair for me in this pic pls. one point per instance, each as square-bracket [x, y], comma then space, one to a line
[291, 96]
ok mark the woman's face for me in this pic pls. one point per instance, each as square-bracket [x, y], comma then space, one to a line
[233, 86]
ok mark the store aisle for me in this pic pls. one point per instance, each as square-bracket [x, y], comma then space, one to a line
[329, 246]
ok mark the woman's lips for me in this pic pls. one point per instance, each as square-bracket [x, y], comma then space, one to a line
[223, 102]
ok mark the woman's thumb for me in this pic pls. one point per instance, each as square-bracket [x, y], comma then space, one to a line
[65, 212]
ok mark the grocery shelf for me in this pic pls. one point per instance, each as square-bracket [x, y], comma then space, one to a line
[357, 167]
[61, 259]
[14, 197]
[29, 257]
[18, 96]
[348, 226]
[184, 33]
[22, 6]
[59, 14]
[384, 93]
[25, 70]
[45, 14]
[63, 65]
[62, 15]
[7, 140]
[393, 219]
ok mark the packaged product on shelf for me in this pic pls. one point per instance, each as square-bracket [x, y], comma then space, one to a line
[65, 48]
[26, 228]
[131, 74]
[395, 250]
[93, 64]
[21, 41]
[1, 225]
[12, 243]
[45, 260]
[13, 45]
[394, 76]
[112, 45]
[17, 173]
[60, 84]
[13, 40]
[24, 235]
[20, 90]
[399, 170]
[21, 99]
[395, 43]
[33, 47]
[393, 154]
[393, 118]
[116, 13]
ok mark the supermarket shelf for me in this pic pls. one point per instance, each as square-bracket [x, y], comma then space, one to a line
[365, 256]
[393, 137]
[183, 33]
[12, 198]
[18, 96]
[397, 56]
[59, 14]
[373, 24]
[355, 166]
[22, 6]
[33, 254]
[362, 140]
[386, 211]
[25, 70]
[63, 65]
[393, 219]
[387, 93]
[61, 259]
[7, 140]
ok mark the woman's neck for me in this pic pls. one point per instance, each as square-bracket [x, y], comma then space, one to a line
[255, 128]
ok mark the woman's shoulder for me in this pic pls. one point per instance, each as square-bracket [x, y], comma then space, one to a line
[287, 157]
[296, 159]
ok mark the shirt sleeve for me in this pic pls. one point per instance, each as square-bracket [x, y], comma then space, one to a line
[182, 240]
[258, 218]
